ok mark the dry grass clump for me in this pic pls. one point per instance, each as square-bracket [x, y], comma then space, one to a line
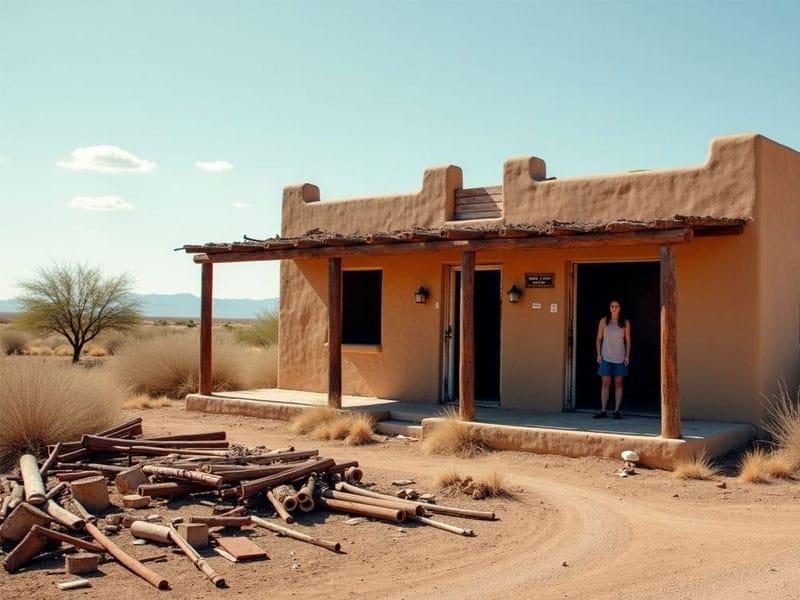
[496, 481]
[325, 423]
[453, 437]
[13, 342]
[783, 424]
[752, 466]
[493, 484]
[44, 402]
[698, 466]
[447, 478]
[167, 365]
[145, 401]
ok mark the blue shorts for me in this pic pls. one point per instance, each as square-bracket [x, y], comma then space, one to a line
[609, 369]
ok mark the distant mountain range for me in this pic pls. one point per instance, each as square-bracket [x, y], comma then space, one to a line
[185, 306]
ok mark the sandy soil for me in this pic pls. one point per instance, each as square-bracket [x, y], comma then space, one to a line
[572, 528]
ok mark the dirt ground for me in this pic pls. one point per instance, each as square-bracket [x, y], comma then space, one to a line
[572, 528]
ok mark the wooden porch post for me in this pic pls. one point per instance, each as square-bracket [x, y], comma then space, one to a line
[466, 367]
[335, 332]
[670, 396]
[206, 322]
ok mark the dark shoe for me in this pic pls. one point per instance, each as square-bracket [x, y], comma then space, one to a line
[600, 415]
[617, 415]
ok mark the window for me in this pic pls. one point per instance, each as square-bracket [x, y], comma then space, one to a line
[361, 307]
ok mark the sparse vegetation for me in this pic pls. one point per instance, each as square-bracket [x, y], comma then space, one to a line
[13, 342]
[495, 478]
[453, 437]
[752, 466]
[168, 365]
[697, 466]
[145, 401]
[44, 402]
[783, 424]
[264, 332]
[325, 423]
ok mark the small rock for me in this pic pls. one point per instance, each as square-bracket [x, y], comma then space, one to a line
[403, 482]
[428, 497]
[722, 485]
[564, 564]
[412, 494]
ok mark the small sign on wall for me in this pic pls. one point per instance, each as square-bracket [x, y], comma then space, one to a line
[539, 280]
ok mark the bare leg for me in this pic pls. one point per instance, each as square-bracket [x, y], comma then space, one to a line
[618, 388]
[604, 392]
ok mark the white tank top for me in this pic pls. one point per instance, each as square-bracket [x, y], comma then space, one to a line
[613, 348]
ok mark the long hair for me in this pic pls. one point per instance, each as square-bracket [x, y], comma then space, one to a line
[621, 319]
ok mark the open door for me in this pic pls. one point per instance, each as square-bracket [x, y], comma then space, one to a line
[636, 285]
[488, 303]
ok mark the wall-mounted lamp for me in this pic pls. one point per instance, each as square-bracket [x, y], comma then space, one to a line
[513, 294]
[421, 295]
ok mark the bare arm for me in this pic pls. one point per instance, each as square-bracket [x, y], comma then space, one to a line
[627, 342]
[599, 339]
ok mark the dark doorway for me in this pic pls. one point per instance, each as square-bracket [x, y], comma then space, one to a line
[637, 287]
[487, 335]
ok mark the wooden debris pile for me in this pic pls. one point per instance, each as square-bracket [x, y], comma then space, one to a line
[89, 491]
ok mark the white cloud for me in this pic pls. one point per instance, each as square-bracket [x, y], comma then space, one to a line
[100, 203]
[241, 205]
[213, 165]
[106, 159]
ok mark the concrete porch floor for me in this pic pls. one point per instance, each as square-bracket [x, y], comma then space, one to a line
[567, 433]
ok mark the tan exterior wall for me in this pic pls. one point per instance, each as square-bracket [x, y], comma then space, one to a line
[738, 296]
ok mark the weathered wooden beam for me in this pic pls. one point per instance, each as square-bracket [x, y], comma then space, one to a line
[466, 366]
[335, 332]
[577, 240]
[206, 385]
[670, 397]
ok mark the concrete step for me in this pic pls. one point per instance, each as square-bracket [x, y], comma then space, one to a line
[395, 427]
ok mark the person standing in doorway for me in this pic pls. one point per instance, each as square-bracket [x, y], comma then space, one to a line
[613, 356]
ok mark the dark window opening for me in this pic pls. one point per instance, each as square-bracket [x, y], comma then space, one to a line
[361, 307]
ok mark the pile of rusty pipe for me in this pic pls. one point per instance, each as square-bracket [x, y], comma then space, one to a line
[305, 495]
[188, 437]
[52, 458]
[107, 470]
[128, 429]
[207, 479]
[221, 521]
[409, 508]
[61, 515]
[167, 535]
[263, 459]
[297, 535]
[36, 540]
[251, 488]
[242, 474]
[397, 515]
[32, 480]
[126, 560]
[431, 508]
[159, 451]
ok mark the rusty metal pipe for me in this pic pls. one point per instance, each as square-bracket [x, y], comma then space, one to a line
[251, 488]
[126, 560]
[219, 521]
[408, 507]
[296, 535]
[63, 516]
[280, 508]
[32, 480]
[377, 512]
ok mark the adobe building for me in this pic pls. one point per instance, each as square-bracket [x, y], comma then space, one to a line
[491, 296]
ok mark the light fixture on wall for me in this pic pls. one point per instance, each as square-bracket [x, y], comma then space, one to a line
[421, 295]
[513, 294]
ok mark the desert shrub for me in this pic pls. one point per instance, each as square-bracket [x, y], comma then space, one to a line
[310, 419]
[168, 365]
[697, 466]
[362, 428]
[752, 465]
[783, 424]
[263, 332]
[453, 437]
[495, 479]
[44, 402]
[778, 466]
[262, 366]
[13, 342]
[447, 478]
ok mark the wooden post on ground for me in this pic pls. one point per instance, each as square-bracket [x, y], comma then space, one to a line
[206, 322]
[670, 396]
[466, 367]
[335, 332]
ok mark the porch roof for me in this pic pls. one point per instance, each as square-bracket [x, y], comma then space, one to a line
[318, 243]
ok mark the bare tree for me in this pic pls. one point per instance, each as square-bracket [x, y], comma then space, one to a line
[78, 302]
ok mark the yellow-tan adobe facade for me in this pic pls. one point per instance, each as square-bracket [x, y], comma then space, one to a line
[704, 260]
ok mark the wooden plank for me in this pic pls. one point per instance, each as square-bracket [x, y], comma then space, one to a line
[584, 240]
[206, 321]
[241, 548]
[335, 332]
[670, 397]
[466, 367]
[479, 191]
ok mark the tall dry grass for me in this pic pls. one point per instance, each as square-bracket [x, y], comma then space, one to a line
[453, 437]
[168, 365]
[43, 402]
[697, 466]
[325, 423]
[783, 424]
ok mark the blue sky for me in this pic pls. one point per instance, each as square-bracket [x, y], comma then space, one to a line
[128, 128]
